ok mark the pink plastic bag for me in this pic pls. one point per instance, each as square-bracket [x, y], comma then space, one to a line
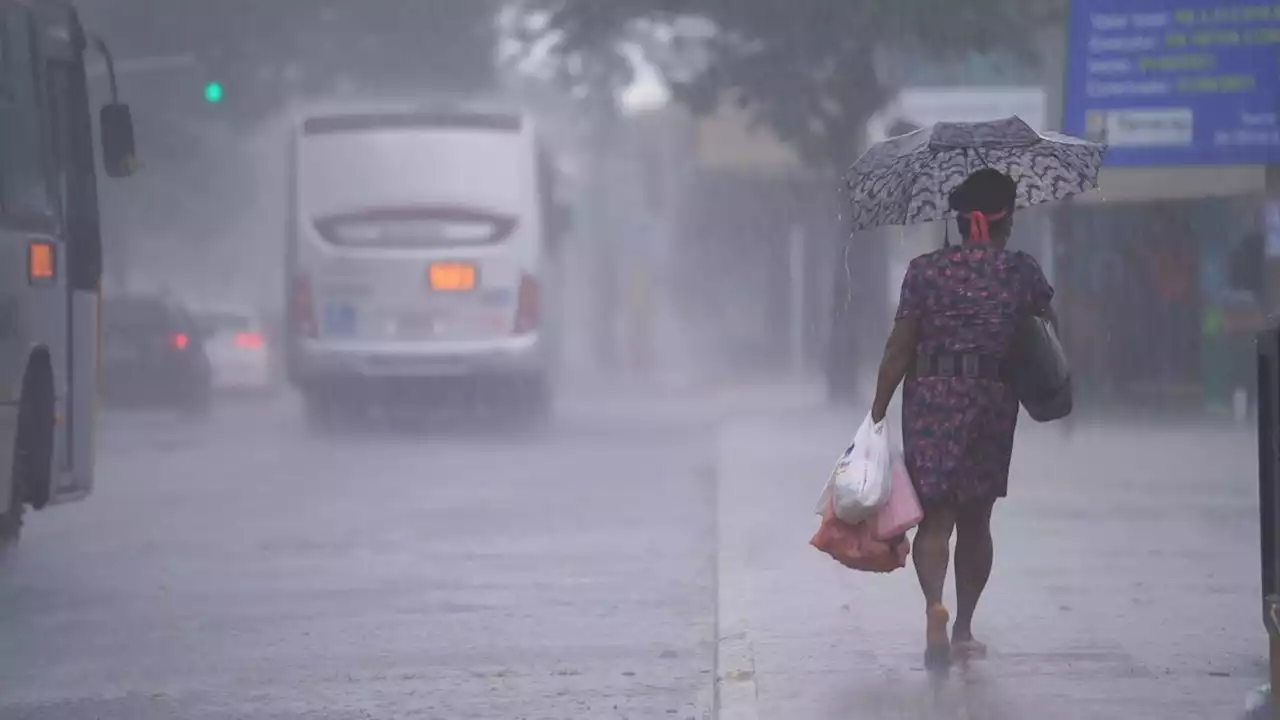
[902, 511]
[877, 544]
[854, 547]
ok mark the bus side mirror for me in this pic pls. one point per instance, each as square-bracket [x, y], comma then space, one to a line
[119, 154]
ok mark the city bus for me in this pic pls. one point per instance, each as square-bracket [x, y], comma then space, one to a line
[421, 262]
[50, 254]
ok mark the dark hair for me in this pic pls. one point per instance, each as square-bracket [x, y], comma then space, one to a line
[987, 191]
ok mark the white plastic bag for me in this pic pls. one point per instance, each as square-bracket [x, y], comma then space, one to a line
[863, 477]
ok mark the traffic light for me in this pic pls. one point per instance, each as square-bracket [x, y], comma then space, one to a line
[213, 92]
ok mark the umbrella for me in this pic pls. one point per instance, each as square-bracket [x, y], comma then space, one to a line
[906, 179]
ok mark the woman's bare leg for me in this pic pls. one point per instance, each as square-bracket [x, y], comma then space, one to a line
[931, 553]
[974, 554]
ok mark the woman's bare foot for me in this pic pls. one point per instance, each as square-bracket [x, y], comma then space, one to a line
[965, 647]
[937, 651]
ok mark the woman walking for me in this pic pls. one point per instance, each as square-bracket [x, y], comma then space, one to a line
[954, 328]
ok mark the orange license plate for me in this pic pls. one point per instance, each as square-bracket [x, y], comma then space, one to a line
[452, 276]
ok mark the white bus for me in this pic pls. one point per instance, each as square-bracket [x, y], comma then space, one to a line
[50, 256]
[420, 260]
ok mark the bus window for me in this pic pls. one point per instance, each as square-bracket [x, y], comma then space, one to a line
[24, 187]
[73, 170]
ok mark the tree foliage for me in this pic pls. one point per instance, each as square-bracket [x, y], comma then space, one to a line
[806, 68]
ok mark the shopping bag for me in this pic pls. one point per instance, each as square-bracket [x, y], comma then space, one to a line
[902, 511]
[855, 547]
[861, 480]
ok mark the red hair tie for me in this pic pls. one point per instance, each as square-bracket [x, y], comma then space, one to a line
[980, 224]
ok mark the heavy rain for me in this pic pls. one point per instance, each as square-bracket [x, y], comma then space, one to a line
[490, 359]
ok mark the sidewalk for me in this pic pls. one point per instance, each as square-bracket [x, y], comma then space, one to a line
[1125, 585]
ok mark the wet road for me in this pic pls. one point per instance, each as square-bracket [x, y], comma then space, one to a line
[242, 568]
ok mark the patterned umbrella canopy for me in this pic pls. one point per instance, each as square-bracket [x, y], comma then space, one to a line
[906, 179]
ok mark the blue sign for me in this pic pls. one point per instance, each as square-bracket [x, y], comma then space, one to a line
[1168, 83]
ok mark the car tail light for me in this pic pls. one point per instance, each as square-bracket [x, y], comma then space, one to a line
[528, 310]
[249, 341]
[180, 341]
[304, 307]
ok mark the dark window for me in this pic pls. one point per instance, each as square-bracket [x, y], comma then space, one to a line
[72, 159]
[24, 179]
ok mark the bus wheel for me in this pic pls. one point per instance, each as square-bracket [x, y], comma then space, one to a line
[11, 521]
[32, 452]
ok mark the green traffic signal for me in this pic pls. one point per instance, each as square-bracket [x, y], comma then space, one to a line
[213, 92]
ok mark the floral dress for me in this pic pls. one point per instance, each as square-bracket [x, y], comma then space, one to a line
[958, 432]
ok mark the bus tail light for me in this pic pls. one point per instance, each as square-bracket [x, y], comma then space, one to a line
[304, 307]
[180, 341]
[249, 341]
[528, 310]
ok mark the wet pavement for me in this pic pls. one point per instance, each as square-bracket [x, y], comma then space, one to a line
[1125, 585]
[241, 568]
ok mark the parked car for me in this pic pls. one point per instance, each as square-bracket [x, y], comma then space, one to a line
[154, 354]
[239, 353]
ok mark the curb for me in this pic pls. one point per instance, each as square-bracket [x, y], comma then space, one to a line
[736, 688]
[706, 701]
[735, 691]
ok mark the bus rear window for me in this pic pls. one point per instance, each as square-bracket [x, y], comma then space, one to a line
[415, 227]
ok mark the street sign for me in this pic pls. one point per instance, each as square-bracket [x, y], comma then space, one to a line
[1191, 84]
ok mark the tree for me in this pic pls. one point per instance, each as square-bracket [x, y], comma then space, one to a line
[812, 70]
